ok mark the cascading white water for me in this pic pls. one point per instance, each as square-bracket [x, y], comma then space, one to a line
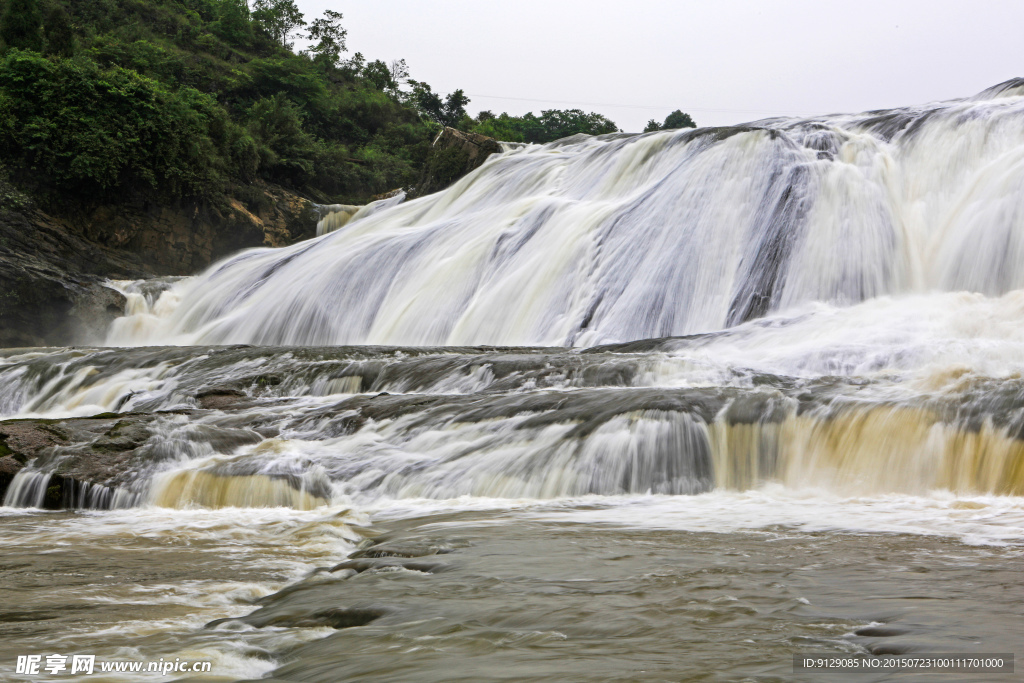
[815, 254]
[622, 237]
[335, 216]
[860, 285]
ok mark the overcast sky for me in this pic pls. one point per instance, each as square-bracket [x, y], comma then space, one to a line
[722, 61]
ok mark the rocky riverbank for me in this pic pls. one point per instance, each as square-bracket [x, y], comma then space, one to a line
[54, 269]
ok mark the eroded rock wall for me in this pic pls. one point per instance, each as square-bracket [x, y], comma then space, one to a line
[54, 270]
[453, 155]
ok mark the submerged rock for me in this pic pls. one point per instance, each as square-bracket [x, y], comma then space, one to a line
[220, 398]
[369, 564]
[333, 617]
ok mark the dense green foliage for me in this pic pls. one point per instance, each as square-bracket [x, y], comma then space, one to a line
[21, 25]
[78, 128]
[552, 124]
[107, 99]
[676, 119]
[59, 38]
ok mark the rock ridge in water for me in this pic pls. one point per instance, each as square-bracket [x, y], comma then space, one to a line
[257, 427]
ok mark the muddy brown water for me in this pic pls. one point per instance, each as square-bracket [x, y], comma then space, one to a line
[502, 595]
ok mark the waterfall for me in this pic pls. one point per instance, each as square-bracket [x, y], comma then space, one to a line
[621, 237]
[335, 216]
[762, 386]
[833, 303]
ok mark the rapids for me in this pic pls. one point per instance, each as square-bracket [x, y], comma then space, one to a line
[597, 240]
[712, 381]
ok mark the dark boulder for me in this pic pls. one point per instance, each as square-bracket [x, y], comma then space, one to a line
[453, 155]
[53, 288]
[54, 270]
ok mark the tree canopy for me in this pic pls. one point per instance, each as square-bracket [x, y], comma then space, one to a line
[160, 99]
[328, 36]
[676, 119]
[551, 125]
[279, 18]
[21, 25]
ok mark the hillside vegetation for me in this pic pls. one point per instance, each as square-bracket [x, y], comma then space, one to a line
[162, 99]
[187, 98]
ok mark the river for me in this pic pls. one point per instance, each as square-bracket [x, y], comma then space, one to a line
[670, 407]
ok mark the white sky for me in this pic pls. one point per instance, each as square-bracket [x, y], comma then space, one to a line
[722, 61]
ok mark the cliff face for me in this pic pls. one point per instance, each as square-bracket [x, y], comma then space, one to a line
[51, 282]
[453, 155]
[53, 270]
[184, 238]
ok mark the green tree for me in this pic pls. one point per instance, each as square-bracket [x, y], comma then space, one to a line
[234, 22]
[278, 18]
[285, 148]
[454, 108]
[448, 112]
[21, 24]
[329, 37]
[555, 124]
[353, 67]
[503, 127]
[399, 73]
[59, 37]
[426, 100]
[676, 119]
[551, 125]
[378, 73]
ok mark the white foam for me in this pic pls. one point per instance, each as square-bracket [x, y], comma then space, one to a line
[976, 520]
[595, 240]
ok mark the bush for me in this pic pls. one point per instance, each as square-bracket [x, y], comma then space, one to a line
[551, 125]
[676, 119]
[171, 98]
[69, 126]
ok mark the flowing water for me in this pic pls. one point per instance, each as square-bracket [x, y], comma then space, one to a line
[664, 407]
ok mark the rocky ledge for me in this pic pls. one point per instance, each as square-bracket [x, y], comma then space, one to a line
[453, 155]
[101, 451]
[54, 271]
